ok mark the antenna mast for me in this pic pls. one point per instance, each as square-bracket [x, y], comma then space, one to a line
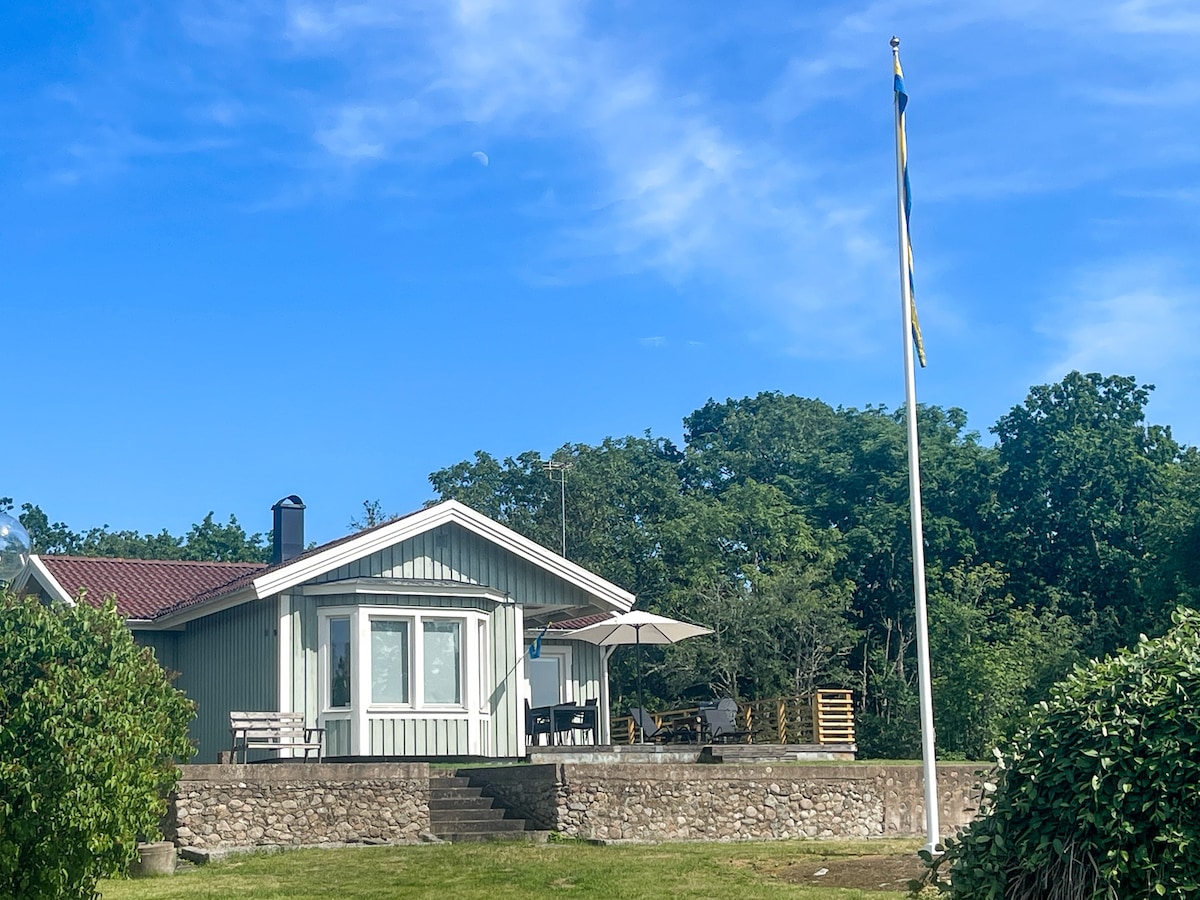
[562, 468]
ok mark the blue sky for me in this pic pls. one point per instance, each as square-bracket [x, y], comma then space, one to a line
[251, 249]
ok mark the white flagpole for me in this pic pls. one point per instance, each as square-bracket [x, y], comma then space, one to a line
[928, 752]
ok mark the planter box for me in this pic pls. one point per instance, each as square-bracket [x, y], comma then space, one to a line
[157, 858]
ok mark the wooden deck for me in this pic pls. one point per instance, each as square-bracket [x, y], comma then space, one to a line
[683, 754]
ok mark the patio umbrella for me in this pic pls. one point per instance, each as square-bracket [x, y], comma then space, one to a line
[637, 628]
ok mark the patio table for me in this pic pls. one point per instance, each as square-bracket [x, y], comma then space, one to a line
[571, 717]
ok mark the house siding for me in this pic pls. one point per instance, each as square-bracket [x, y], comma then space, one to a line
[165, 645]
[452, 553]
[228, 661]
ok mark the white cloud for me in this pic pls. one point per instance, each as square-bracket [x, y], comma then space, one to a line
[1136, 317]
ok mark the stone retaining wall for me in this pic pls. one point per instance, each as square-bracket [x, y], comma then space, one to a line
[217, 807]
[729, 802]
[295, 804]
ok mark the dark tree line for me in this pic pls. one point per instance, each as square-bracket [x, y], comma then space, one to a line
[782, 523]
[205, 540]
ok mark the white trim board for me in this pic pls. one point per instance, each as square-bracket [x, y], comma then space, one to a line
[37, 569]
[398, 587]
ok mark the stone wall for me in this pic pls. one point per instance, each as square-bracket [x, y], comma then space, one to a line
[729, 802]
[217, 807]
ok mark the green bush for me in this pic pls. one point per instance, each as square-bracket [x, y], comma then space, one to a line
[90, 730]
[1099, 795]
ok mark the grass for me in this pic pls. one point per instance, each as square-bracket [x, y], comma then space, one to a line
[501, 871]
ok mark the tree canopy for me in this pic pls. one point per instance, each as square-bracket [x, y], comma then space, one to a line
[782, 523]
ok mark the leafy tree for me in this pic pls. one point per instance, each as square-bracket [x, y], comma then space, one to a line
[204, 541]
[1083, 478]
[224, 543]
[372, 515]
[994, 658]
[1096, 797]
[90, 730]
[1172, 569]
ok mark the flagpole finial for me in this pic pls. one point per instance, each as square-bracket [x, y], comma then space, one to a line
[895, 42]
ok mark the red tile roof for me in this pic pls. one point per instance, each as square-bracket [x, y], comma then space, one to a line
[579, 622]
[145, 588]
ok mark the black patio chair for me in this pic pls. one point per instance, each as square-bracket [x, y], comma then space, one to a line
[652, 731]
[538, 722]
[570, 718]
[720, 722]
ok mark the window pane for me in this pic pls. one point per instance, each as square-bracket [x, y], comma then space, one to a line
[339, 663]
[389, 661]
[443, 663]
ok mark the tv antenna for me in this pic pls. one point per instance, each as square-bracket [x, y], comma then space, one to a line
[561, 467]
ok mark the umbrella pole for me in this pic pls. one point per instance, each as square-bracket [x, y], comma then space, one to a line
[637, 633]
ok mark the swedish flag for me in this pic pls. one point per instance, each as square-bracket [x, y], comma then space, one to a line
[902, 149]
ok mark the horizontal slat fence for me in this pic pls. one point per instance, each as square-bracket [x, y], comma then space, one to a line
[825, 717]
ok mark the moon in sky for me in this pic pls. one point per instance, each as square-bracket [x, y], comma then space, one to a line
[481, 156]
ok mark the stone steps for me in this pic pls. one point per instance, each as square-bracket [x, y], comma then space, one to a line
[460, 813]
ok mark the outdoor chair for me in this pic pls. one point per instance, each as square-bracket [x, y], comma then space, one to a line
[538, 722]
[570, 718]
[720, 722]
[652, 731]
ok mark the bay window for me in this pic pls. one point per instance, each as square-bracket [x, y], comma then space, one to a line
[398, 659]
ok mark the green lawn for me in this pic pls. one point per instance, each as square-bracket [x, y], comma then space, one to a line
[499, 871]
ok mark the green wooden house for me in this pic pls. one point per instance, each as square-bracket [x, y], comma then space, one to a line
[409, 639]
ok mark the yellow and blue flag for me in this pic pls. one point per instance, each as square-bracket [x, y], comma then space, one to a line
[902, 149]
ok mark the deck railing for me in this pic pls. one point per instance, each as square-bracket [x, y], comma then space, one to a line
[824, 717]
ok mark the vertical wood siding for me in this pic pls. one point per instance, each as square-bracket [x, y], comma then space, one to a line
[229, 660]
[506, 734]
[451, 553]
[164, 644]
[433, 736]
[337, 737]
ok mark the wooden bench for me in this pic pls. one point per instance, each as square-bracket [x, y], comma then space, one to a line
[272, 731]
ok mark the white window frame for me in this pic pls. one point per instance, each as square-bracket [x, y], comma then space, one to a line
[413, 625]
[464, 653]
[324, 662]
[483, 656]
[474, 677]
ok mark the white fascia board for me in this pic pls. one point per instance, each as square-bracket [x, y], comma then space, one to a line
[37, 570]
[447, 512]
[390, 587]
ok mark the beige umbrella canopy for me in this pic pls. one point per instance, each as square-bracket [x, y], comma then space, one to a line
[637, 628]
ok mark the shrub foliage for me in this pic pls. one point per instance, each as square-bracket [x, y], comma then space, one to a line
[1097, 797]
[90, 730]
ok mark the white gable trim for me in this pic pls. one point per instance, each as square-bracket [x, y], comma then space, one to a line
[393, 588]
[447, 512]
[36, 569]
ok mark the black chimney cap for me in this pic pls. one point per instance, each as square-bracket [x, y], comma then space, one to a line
[287, 539]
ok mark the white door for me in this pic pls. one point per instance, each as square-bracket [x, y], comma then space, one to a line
[545, 680]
